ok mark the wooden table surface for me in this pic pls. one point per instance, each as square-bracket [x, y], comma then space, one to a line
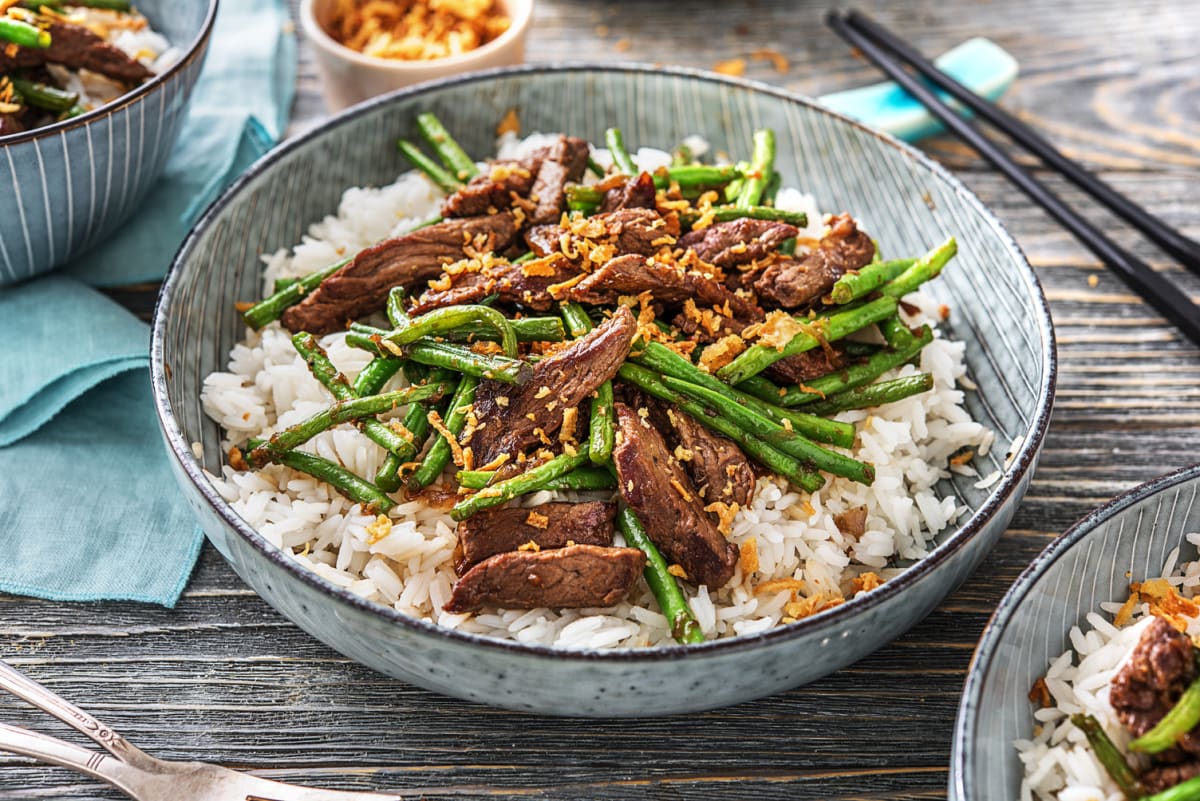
[224, 678]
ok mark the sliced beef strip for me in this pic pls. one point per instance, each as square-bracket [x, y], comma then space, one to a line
[554, 525]
[490, 191]
[76, 46]
[737, 242]
[564, 161]
[1163, 777]
[1160, 668]
[642, 231]
[808, 365]
[632, 274]
[638, 193]
[792, 283]
[563, 578]
[526, 284]
[716, 465]
[654, 485]
[561, 381]
[852, 522]
[362, 285]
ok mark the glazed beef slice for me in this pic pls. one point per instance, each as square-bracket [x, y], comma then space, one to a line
[792, 283]
[550, 525]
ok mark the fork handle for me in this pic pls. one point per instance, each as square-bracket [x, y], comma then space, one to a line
[67, 755]
[31, 692]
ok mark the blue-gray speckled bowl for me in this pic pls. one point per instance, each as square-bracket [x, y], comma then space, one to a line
[1124, 541]
[904, 199]
[70, 184]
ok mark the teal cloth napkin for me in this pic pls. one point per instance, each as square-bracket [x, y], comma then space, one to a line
[88, 506]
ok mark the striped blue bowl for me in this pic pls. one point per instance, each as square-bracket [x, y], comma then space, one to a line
[904, 199]
[68, 185]
[1125, 541]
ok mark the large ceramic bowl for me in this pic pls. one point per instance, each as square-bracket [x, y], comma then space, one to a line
[68, 185]
[1125, 541]
[906, 201]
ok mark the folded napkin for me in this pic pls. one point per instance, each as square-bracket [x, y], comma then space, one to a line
[89, 505]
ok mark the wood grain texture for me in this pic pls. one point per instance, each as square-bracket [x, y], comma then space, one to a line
[224, 678]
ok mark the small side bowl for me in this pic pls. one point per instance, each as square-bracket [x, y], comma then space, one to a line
[72, 183]
[1126, 540]
[349, 77]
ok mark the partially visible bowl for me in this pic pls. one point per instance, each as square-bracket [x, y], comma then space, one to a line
[998, 311]
[72, 183]
[1125, 541]
[349, 77]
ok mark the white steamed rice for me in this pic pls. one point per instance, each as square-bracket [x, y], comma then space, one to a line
[268, 387]
[1059, 764]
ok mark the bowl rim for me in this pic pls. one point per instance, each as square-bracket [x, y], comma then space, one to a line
[982, 660]
[316, 33]
[194, 51]
[1000, 494]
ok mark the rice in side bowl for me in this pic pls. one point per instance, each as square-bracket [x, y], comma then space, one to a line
[1059, 764]
[795, 559]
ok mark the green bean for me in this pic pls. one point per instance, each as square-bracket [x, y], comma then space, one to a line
[734, 187]
[23, 34]
[448, 318]
[576, 318]
[268, 310]
[772, 188]
[444, 354]
[788, 247]
[111, 5]
[416, 421]
[856, 375]
[855, 285]
[727, 213]
[666, 361]
[323, 370]
[1181, 719]
[762, 164]
[377, 373]
[44, 96]
[1109, 756]
[601, 433]
[620, 156]
[757, 358]
[283, 283]
[353, 487]
[439, 453]
[693, 175]
[584, 479]
[774, 460]
[595, 168]
[665, 587]
[527, 329]
[448, 150]
[1184, 791]
[921, 270]
[396, 313]
[433, 171]
[874, 394]
[682, 155]
[73, 111]
[340, 412]
[774, 434]
[530, 481]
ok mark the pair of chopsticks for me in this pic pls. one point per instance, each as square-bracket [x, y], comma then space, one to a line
[890, 53]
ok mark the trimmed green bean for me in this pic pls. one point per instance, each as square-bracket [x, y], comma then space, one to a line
[583, 479]
[1181, 719]
[446, 355]
[734, 187]
[727, 213]
[856, 375]
[433, 171]
[757, 358]
[268, 310]
[788, 248]
[762, 164]
[874, 394]
[684, 627]
[1108, 755]
[340, 412]
[23, 34]
[416, 421]
[530, 481]
[526, 329]
[855, 285]
[396, 313]
[41, 95]
[601, 433]
[774, 434]
[439, 452]
[595, 168]
[111, 5]
[923, 269]
[616, 148]
[451, 317]
[452, 155]
[693, 175]
[377, 373]
[353, 487]
[662, 359]
[774, 183]
[771, 458]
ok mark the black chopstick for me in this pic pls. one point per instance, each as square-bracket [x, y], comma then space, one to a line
[1156, 290]
[1185, 250]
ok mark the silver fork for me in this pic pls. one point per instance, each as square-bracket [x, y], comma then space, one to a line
[133, 771]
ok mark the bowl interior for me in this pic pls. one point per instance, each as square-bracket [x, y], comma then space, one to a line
[1125, 541]
[997, 308]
